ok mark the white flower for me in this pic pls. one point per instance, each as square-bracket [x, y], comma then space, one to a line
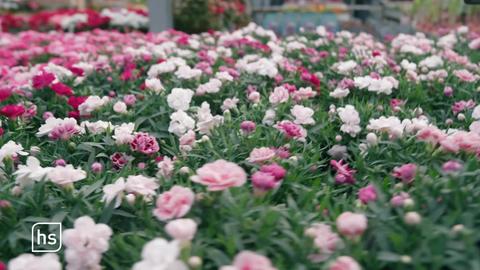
[165, 167]
[114, 192]
[29, 261]
[164, 67]
[303, 115]
[431, 62]
[180, 123]
[91, 104]
[391, 125]
[179, 99]
[350, 119]
[141, 185]
[159, 254]
[205, 120]
[212, 86]
[186, 72]
[85, 244]
[120, 107]
[97, 127]
[224, 76]
[52, 123]
[269, 117]
[476, 112]
[279, 95]
[11, 150]
[408, 65]
[154, 84]
[65, 175]
[182, 229]
[339, 92]
[346, 67]
[229, 103]
[32, 171]
[123, 134]
[383, 85]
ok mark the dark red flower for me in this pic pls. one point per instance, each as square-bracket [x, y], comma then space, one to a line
[76, 101]
[62, 89]
[12, 110]
[5, 93]
[42, 80]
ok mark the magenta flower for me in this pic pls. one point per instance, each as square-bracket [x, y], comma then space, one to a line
[406, 173]
[345, 175]
[367, 194]
[144, 143]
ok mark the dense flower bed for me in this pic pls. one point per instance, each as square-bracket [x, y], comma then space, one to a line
[241, 150]
[76, 20]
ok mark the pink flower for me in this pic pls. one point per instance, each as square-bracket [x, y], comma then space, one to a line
[42, 80]
[344, 263]
[97, 167]
[247, 127]
[465, 75]
[182, 229]
[367, 194]
[406, 172]
[324, 240]
[12, 110]
[248, 260]
[62, 89]
[399, 199]
[431, 134]
[119, 160]
[144, 143]
[451, 166]
[260, 155]
[448, 91]
[129, 99]
[174, 203]
[220, 175]
[291, 130]
[64, 131]
[345, 175]
[351, 225]
[462, 105]
[264, 181]
[274, 169]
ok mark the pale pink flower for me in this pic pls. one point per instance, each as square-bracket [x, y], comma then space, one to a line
[452, 166]
[324, 239]
[174, 203]
[261, 155]
[344, 263]
[431, 134]
[182, 229]
[165, 167]
[141, 185]
[406, 173]
[465, 75]
[399, 199]
[247, 127]
[220, 175]
[248, 260]
[279, 95]
[351, 224]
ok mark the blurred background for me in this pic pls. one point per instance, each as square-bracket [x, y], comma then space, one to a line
[382, 18]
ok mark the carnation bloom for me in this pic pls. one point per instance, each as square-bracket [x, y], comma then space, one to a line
[114, 192]
[260, 155]
[66, 175]
[303, 115]
[182, 229]
[324, 239]
[85, 243]
[144, 143]
[141, 185]
[451, 166]
[406, 173]
[160, 254]
[292, 130]
[220, 175]
[344, 263]
[367, 194]
[247, 127]
[351, 224]
[344, 173]
[42, 80]
[12, 110]
[59, 129]
[26, 261]
[249, 260]
[62, 89]
[174, 203]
